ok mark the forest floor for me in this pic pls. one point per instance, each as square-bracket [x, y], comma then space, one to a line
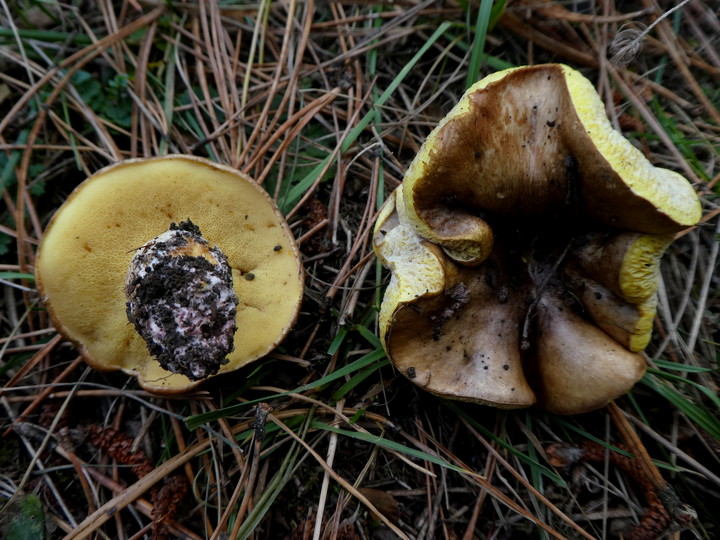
[325, 105]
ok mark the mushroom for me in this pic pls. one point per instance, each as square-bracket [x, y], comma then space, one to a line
[524, 245]
[171, 269]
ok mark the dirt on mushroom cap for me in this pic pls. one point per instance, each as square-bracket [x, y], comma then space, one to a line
[181, 300]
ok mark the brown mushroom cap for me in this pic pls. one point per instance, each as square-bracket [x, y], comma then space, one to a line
[524, 245]
[535, 141]
[579, 368]
[84, 256]
[452, 349]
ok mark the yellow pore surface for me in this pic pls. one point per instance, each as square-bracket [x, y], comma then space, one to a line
[85, 254]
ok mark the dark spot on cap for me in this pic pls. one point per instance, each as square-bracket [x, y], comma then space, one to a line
[410, 372]
[277, 248]
[503, 294]
[249, 276]
[506, 367]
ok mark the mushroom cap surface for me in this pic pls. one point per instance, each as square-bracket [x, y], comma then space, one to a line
[535, 141]
[524, 244]
[87, 248]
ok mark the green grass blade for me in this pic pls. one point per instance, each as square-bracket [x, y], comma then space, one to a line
[676, 378]
[702, 417]
[370, 336]
[392, 445]
[589, 436]
[674, 366]
[357, 379]
[337, 341]
[297, 191]
[48, 36]
[197, 420]
[478, 47]
[16, 275]
[274, 487]
[534, 464]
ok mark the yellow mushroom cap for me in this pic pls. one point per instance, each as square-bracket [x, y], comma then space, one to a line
[525, 245]
[87, 248]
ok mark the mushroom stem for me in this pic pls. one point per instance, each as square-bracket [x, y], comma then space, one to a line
[181, 300]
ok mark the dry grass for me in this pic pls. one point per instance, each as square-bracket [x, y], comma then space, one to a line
[311, 99]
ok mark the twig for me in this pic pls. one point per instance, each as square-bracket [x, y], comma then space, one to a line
[339, 479]
[332, 447]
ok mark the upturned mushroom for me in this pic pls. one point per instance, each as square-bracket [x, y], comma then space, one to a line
[524, 245]
[171, 269]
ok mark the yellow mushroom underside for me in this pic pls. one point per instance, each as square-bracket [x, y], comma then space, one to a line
[87, 248]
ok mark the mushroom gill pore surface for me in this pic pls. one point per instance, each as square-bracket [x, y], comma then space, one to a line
[524, 245]
[86, 250]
